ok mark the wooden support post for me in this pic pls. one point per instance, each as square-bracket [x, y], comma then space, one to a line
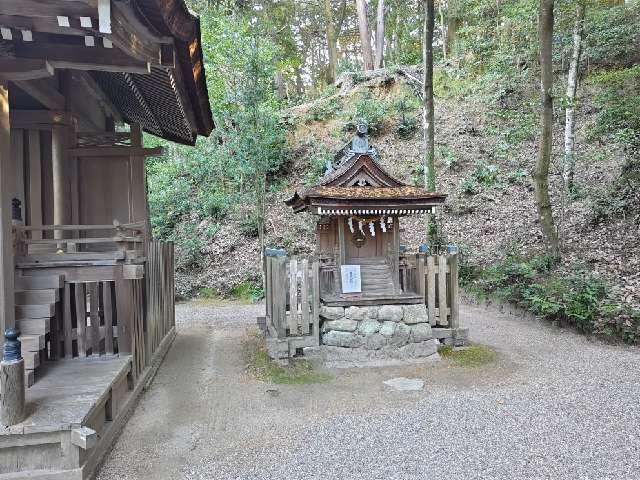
[7, 313]
[124, 313]
[12, 381]
[453, 291]
[293, 297]
[58, 140]
[34, 205]
[442, 290]
[431, 290]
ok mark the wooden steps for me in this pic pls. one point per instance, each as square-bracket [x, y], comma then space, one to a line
[35, 306]
[31, 297]
[41, 282]
[34, 326]
[375, 275]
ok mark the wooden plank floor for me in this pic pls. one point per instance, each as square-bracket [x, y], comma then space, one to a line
[67, 390]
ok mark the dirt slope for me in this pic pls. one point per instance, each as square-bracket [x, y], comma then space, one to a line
[495, 219]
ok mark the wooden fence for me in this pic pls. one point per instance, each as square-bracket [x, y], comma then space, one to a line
[292, 304]
[160, 300]
[435, 277]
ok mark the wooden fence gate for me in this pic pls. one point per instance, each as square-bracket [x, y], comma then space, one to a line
[292, 297]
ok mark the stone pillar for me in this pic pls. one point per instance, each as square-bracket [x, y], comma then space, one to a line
[12, 380]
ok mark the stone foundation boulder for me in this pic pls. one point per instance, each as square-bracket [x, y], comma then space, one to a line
[390, 331]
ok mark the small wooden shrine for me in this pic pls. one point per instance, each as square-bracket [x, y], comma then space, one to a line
[359, 206]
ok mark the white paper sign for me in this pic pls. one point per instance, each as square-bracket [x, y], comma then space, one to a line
[351, 282]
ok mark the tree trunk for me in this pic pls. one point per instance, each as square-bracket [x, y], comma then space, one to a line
[541, 174]
[380, 35]
[443, 30]
[428, 107]
[570, 113]
[332, 40]
[365, 35]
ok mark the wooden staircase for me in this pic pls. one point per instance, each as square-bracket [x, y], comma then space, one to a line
[375, 275]
[35, 307]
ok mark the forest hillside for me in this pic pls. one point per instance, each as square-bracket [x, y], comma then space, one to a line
[222, 200]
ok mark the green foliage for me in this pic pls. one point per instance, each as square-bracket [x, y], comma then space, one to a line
[448, 157]
[469, 186]
[317, 164]
[262, 367]
[369, 109]
[618, 104]
[407, 123]
[471, 356]
[248, 292]
[191, 190]
[485, 173]
[612, 33]
[578, 297]
[324, 109]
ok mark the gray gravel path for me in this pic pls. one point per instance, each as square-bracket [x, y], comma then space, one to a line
[555, 405]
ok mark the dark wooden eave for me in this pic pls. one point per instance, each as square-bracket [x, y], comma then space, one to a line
[145, 55]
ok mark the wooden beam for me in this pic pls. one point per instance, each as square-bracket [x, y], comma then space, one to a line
[117, 151]
[7, 309]
[18, 69]
[52, 8]
[44, 93]
[47, 24]
[40, 119]
[80, 57]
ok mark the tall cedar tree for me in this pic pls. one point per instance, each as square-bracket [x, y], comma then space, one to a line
[541, 174]
[380, 35]
[365, 34]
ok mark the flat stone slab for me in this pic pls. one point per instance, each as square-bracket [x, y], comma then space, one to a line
[403, 384]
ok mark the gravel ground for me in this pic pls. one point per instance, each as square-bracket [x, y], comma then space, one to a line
[555, 405]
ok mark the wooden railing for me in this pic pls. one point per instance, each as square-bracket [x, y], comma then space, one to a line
[78, 238]
[111, 301]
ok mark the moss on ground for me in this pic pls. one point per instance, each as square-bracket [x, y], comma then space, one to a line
[264, 368]
[472, 356]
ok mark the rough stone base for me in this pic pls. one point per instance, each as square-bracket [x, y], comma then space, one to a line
[345, 357]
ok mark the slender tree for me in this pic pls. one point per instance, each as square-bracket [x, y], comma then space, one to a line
[427, 99]
[332, 39]
[365, 34]
[380, 35]
[541, 174]
[568, 165]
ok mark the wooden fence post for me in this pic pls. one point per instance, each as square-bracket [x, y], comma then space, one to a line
[454, 296]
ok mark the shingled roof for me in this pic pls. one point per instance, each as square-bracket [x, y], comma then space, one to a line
[360, 185]
[172, 103]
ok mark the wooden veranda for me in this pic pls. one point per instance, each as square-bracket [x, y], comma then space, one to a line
[81, 276]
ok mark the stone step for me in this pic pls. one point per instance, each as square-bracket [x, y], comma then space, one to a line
[33, 326]
[31, 360]
[32, 343]
[37, 297]
[39, 282]
[45, 310]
